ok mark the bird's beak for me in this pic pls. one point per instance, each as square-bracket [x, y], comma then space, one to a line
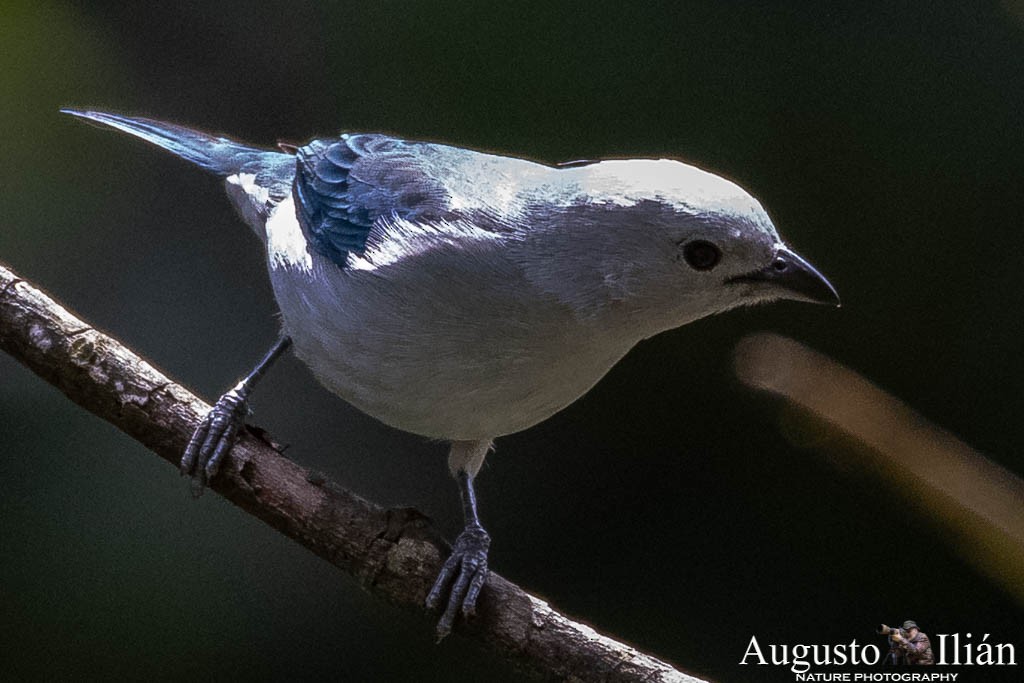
[794, 278]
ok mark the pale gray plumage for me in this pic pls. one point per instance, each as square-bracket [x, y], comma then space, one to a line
[464, 296]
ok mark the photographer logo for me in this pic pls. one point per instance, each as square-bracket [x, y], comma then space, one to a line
[908, 655]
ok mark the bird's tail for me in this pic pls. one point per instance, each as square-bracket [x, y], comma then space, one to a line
[219, 155]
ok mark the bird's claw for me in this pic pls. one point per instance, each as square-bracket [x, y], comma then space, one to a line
[213, 438]
[467, 568]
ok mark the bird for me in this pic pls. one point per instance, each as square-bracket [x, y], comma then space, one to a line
[463, 295]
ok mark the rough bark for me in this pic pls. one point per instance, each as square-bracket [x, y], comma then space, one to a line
[393, 553]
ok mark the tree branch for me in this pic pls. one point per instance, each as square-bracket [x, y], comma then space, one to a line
[393, 553]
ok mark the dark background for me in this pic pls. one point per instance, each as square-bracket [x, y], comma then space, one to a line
[668, 506]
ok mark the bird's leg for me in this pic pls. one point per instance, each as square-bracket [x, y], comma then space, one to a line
[215, 435]
[466, 568]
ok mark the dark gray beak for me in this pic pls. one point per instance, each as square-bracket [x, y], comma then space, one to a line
[794, 278]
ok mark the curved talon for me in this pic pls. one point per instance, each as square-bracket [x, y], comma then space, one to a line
[467, 566]
[213, 438]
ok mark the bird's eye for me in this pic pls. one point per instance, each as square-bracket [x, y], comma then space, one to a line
[701, 255]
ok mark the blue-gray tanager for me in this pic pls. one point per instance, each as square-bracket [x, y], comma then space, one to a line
[463, 296]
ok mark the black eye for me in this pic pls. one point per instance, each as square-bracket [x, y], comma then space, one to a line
[701, 255]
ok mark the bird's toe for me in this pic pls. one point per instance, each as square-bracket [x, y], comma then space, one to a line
[213, 438]
[466, 572]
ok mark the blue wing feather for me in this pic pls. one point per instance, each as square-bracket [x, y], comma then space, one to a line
[346, 186]
[337, 209]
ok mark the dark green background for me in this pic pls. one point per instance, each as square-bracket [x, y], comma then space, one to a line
[667, 506]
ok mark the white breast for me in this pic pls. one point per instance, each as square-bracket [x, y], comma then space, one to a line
[433, 330]
[446, 344]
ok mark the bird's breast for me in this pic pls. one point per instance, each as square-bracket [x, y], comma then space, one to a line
[443, 345]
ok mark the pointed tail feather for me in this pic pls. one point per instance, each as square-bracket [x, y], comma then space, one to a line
[220, 155]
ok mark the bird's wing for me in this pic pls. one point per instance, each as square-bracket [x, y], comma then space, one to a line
[353, 189]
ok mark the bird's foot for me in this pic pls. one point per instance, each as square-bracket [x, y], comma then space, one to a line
[213, 438]
[466, 571]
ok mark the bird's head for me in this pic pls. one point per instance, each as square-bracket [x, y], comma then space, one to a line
[663, 243]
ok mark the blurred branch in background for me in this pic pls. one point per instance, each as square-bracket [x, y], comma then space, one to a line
[394, 553]
[978, 503]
